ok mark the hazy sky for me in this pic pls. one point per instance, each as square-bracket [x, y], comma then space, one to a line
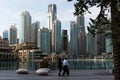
[10, 12]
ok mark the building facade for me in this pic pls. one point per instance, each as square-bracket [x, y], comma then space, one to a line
[13, 35]
[25, 27]
[34, 31]
[64, 41]
[73, 39]
[81, 34]
[5, 51]
[100, 47]
[90, 44]
[52, 15]
[5, 34]
[56, 37]
[44, 40]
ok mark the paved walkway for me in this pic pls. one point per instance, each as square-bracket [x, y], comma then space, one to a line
[74, 75]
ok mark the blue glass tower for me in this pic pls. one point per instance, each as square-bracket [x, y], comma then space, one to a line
[56, 37]
[44, 40]
[13, 35]
[73, 39]
[25, 27]
[90, 41]
[5, 34]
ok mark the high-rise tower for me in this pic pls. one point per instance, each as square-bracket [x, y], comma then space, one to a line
[44, 40]
[100, 44]
[52, 14]
[5, 34]
[90, 44]
[73, 39]
[13, 35]
[34, 31]
[64, 41]
[56, 37]
[81, 35]
[25, 27]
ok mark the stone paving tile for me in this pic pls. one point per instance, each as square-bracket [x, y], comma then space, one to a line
[74, 75]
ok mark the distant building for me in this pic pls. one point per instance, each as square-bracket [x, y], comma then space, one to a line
[5, 34]
[5, 51]
[81, 35]
[44, 40]
[13, 35]
[4, 45]
[31, 59]
[25, 27]
[34, 31]
[90, 44]
[109, 45]
[73, 39]
[100, 47]
[64, 41]
[26, 45]
[52, 15]
[56, 37]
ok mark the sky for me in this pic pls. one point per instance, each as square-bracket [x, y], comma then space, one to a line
[10, 11]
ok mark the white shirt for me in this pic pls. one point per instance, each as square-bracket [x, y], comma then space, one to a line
[65, 62]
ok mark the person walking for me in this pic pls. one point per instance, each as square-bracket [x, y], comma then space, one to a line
[65, 67]
[59, 66]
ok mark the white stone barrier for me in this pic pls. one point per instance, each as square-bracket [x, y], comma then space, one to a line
[42, 71]
[22, 71]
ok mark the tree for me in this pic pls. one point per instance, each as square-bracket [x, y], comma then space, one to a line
[82, 6]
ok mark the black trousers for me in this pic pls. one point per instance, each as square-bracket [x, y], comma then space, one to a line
[65, 70]
[60, 70]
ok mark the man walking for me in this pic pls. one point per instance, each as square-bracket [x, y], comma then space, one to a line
[59, 66]
[65, 67]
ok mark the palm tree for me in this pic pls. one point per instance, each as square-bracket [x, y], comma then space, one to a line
[82, 6]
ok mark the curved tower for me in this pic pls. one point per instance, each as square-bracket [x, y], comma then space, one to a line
[25, 27]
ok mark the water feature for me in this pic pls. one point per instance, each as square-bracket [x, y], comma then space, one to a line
[74, 64]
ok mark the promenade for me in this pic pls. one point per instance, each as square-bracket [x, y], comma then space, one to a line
[74, 75]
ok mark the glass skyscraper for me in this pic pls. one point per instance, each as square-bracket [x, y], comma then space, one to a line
[73, 39]
[34, 31]
[56, 37]
[52, 14]
[64, 41]
[109, 46]
[13, 35]
[25, 27]
[44, 40]
[5, 34]
[90, 43]
[81, 35]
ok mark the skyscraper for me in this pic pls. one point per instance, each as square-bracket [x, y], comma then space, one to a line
[90, 44]
[13, 35]
[109, 46]
[34, 31]
[52, 14]
[44, 40]
[56, 37]
[25, 27]
[73, 39]
[5, 34]
[64, 41]
[80, 21]
[81, 35]
[100, 44]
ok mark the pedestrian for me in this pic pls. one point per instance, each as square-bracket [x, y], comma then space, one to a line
[65, 67]
[59, 66]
